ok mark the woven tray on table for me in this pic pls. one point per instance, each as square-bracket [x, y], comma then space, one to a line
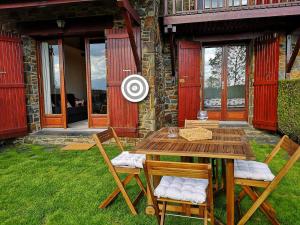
[195, 134]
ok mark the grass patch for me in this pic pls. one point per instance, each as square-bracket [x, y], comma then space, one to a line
[44, 185]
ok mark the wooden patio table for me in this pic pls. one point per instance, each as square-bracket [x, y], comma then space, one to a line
[226, 143]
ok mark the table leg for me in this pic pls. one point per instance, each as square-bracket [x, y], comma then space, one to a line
[150, 208]
[230, 191]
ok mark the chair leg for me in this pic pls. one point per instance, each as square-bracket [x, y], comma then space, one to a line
[217, 174]
[258, 202]
[241, 196]
[223, 179]
[124, 193]
[266, 203]
[205, 215]
[128, 201]
[139, 182]
[115, 193]
[265, 207]
[163, 214]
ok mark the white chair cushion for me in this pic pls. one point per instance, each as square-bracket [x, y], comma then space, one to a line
[126, 159]
[252, 170]
[184, 189]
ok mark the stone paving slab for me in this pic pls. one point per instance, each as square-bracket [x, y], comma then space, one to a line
[67, 137]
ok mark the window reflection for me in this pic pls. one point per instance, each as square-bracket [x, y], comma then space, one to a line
[98, 76]
[236, 78]
[212, 77]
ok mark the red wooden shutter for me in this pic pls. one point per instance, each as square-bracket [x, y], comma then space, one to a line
[266, 51]
[189, 80]
[123, 115]
[13, 121]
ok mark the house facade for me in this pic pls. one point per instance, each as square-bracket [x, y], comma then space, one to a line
[62, 62]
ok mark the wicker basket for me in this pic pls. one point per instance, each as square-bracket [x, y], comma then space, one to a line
[195, 134]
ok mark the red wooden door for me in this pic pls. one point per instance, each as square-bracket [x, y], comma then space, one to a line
[266, 82]
[13, 121]
[189, 80]
[123, 115]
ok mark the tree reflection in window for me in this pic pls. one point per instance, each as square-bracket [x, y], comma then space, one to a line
[236, 76]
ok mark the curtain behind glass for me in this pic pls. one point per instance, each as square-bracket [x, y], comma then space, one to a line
[46, 78]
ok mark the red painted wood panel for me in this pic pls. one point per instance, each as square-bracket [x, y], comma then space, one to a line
[266, 67]
[189, 80]
[13, 121]
[123, 115]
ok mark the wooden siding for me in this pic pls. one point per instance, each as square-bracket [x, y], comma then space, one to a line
[123, 115]
[189, 80]
[266, 82]
[13, 121]
[195, 11]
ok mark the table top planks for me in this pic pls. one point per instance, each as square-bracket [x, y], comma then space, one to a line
[226, 143]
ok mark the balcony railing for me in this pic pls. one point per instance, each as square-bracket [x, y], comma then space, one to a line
[180, 7]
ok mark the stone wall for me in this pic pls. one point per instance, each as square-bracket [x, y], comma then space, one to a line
[295, 71]
[31, 84]
[171, 88]
[282, 56]
[151, 110]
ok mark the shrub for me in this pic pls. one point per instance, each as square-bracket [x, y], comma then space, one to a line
[289, 108]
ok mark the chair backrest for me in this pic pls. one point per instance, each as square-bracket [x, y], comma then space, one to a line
[293, 150]
[286, 144]
[201, 123]
[105, 136]
[178, 169]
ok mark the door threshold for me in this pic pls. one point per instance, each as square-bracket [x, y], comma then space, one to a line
[74, 129]
[69, 131]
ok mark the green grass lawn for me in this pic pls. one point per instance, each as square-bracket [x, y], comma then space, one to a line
[44, 185]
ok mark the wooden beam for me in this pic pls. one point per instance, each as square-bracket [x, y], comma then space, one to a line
[130, 32]
[127, 6]
[233, 15]
[30, 4]
[231, 37]
[295, 31]
[74, 26]
[293, 56]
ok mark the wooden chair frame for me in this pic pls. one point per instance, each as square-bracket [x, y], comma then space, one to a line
[158, 169]
[214, 162]
[102, 137]
[250, 187]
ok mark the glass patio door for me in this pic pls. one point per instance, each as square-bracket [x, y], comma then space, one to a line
[52, 83]
[224, 82]
[96, 82]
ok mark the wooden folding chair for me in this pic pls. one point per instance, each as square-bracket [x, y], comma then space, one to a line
[102, 137]
[175, 170]
[214, 162]
[250, 186]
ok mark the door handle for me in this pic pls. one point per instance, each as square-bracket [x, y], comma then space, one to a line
[126, 70]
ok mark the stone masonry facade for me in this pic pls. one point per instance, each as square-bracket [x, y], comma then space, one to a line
[295, 71]
[160, 108]
[151, 110]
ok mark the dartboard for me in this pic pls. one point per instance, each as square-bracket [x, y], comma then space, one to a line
[135, 88]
